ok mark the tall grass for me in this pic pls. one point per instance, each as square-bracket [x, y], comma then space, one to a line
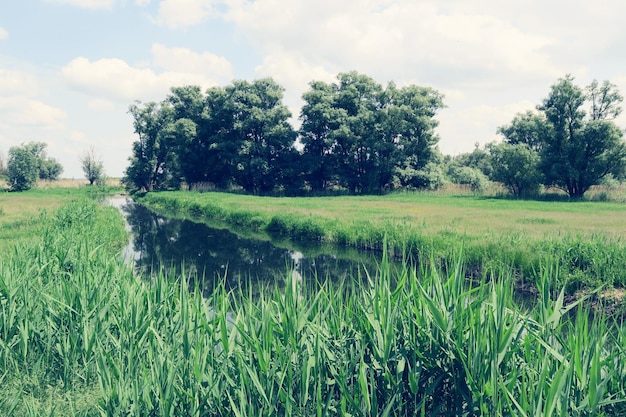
[80, 335]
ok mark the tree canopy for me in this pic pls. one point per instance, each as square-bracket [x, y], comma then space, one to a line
[576, 149]
[354, 135]
[360, 135]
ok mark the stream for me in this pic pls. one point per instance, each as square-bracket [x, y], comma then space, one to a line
[212, 256]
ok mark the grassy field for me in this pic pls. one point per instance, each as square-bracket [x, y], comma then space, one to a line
[21, 214]
[586, 239]
[81, 335]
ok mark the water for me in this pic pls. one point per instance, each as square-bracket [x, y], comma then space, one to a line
[214, 255]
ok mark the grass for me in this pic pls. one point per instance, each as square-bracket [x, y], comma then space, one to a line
[80, 335]
[585, 238]
[23, 214]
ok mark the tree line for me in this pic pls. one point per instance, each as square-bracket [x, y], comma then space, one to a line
[360, 137]
[29, 162]
[355, 135]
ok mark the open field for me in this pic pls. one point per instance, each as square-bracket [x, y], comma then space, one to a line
[586, 239]
[435, 213]
[21, 213]
[81, 335]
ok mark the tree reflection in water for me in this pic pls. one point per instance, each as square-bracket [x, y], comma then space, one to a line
[213, 255]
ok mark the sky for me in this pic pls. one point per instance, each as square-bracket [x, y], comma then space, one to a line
[70, 69]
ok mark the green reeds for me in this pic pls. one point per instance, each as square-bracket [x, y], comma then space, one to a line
[80, 335]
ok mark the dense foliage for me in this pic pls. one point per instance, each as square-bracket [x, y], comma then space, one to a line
[355, 135]
[358, 135]
[27, 163]
[576, 149]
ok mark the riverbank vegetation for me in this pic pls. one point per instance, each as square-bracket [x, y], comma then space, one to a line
[81, 335]
[584, 238]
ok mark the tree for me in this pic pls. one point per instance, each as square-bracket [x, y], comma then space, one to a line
[92, 166]
[49, 169]
[530, 128]
[23, 168]
[152, 162]
[576, 150]
[320, 121]
[260, 134]
[187, 134]
[516, 166]
[358, 134]
[605, 100]
[580, 152]
[409, 130]
[27, 163]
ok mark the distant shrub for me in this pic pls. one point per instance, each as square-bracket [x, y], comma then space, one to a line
[473, 177]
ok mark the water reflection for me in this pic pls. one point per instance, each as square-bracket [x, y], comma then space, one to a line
[214, 255]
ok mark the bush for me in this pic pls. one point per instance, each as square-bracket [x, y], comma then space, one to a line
[472, 177]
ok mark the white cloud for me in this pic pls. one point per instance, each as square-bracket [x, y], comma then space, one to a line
[19, 105]
[17, 83]
[142, 2]
[183, 13]
[112, 78]
[183, 60]
[469, 123]
[404, 39]
[88, 4]
[101, 105]
[3, 34]
[115, 79]
[27, 112]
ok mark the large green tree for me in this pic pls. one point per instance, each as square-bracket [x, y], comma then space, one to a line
[153, 159]
[233, 135]
[577, 149]
[260, 134]
[321, 120]
[186, 133]
[23, 168]
[581, 151]
[360, 135]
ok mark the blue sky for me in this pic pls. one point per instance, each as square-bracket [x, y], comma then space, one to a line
[69, 69]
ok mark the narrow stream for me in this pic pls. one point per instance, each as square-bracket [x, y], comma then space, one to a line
[213, 255]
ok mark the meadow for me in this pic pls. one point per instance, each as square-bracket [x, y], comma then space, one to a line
[82, 335]
[584, 238]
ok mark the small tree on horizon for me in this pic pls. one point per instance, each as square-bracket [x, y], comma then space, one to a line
[92, 165]
[27, 163]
